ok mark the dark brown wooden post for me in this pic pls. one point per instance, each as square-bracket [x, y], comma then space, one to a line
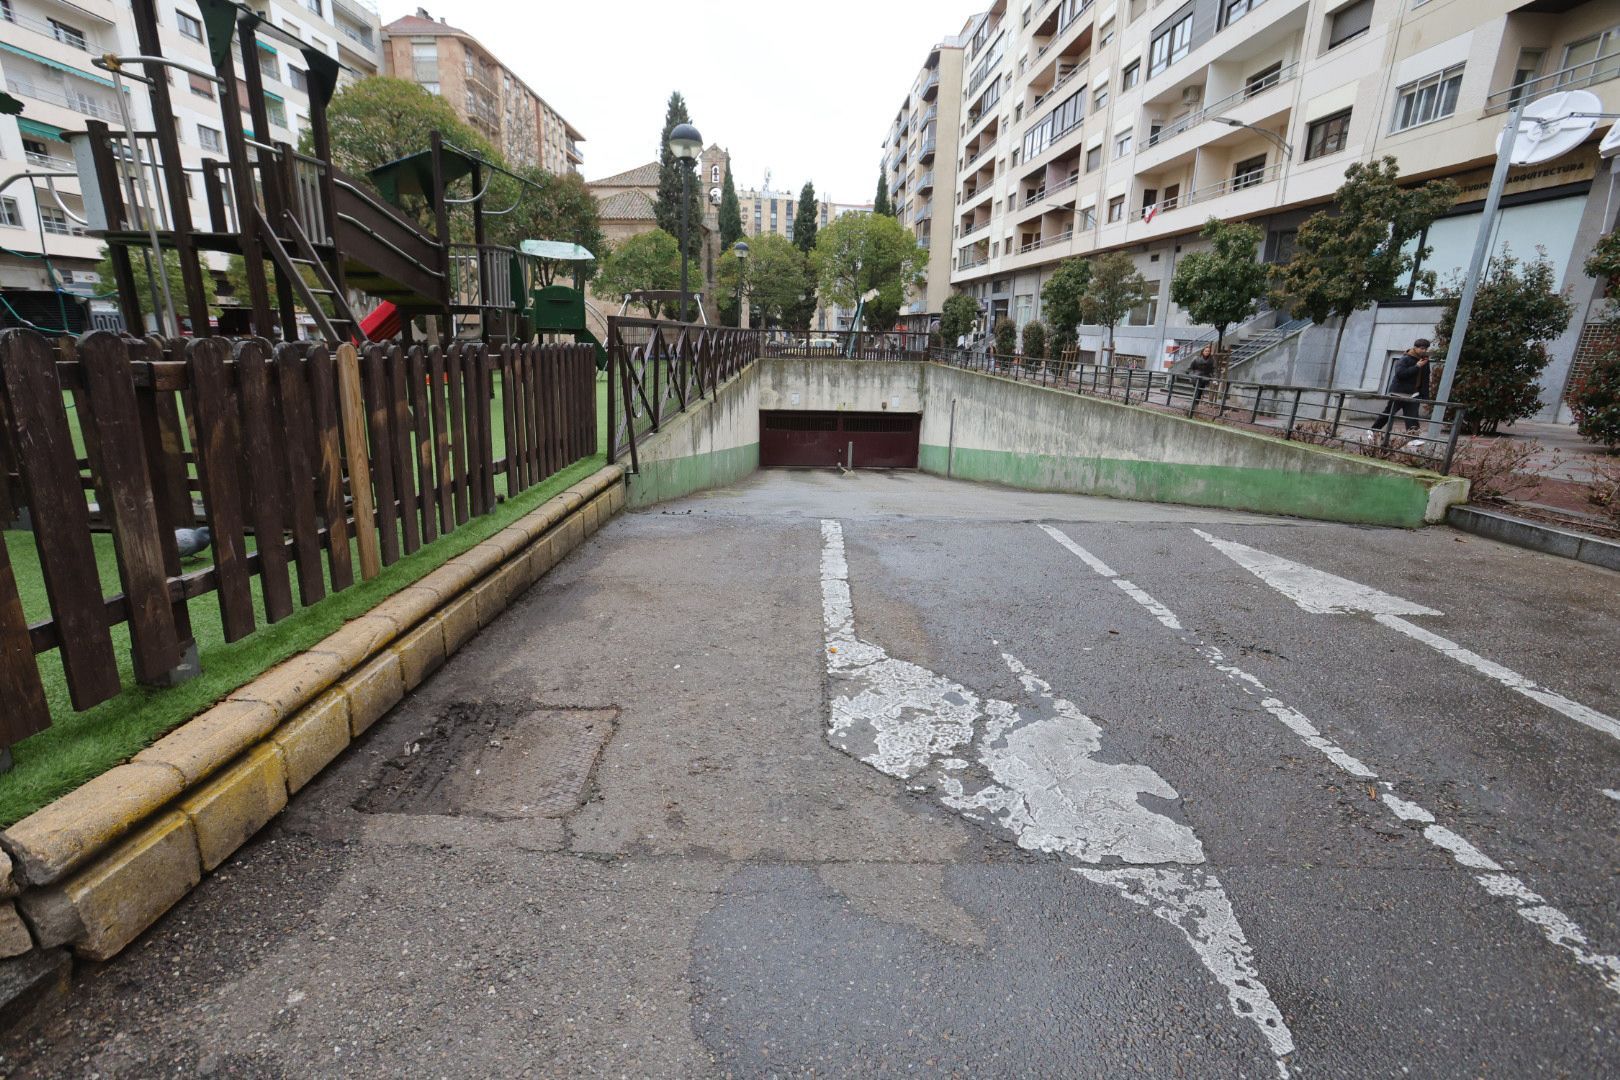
[129, 297]
[275, 201]
[242, 190]
[441, 221]
[174, 175]
[320, 132]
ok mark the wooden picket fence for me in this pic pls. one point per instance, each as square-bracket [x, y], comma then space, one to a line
[326, 459]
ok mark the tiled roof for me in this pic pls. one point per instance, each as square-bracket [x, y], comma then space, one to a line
[640, 176]
[415, 24]
[626, 206]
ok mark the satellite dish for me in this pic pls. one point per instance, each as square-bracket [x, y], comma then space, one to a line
[1553, 125]
[1610, 146]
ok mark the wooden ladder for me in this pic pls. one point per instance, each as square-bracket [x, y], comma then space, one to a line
[290, 264]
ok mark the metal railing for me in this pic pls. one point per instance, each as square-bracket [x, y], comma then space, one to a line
[1573, 77]
[74, 39]
[657, 370]
[1048, 192]
[47, 161]
[972, 229]
[1198, 116]
[1212, 191]
[82, 103]
[481, 276]
[1355, 421]
[1045, 241]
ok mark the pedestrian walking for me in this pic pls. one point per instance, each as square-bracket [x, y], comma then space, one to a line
[1408, 385]
[1202, 370]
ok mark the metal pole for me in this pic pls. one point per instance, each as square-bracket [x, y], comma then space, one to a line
[1482, 245]
[686, 199]
[140, 197]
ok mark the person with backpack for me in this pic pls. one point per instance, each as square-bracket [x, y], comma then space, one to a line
[1202, 370]
[1408, 386]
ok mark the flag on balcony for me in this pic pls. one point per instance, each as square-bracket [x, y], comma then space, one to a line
[1148, 211]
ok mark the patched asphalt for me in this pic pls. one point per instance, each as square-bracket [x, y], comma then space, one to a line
[611, 837]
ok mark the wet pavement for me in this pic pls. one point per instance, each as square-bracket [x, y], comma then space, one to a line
[875, 774]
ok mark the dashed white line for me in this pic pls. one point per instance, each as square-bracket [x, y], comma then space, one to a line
[1557, 927]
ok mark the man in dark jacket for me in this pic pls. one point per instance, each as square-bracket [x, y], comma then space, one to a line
[1408, 385]
[1202, 370]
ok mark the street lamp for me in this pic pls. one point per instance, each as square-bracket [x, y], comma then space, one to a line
[741, 251]
[1282, 144]
[686, 145]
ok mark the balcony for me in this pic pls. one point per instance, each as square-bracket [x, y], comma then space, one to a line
[1047, 192]
[924, 213]
[361, 11]
[930, 89]
[49, 162]
[1047, 241]
[69, 36]
[925, 182]
[925, 152]
[1215, 108]
[969, 259]
[1596, 70]
[67, 98]
[972, 229]
[1241, 182]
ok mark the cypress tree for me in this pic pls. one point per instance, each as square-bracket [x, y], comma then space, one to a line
[731, 223]
[667, 207]
[880, 205]
[804, 222]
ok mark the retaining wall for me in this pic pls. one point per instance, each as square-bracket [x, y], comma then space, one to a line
[711, 444]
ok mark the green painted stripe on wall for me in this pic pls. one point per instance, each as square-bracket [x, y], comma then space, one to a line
[659, 481]
[1392, 499]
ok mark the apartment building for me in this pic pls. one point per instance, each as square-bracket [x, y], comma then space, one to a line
[767, 211]
[46, 49]
[483, 91]
[921, 145]
[1096, 126]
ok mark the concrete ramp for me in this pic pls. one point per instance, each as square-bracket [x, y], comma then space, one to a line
[982, 427]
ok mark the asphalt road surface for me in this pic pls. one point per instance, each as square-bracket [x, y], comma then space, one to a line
[884, 774]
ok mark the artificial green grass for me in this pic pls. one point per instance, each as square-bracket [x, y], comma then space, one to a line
[79, 746]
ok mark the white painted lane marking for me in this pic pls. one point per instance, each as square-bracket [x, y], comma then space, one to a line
[1555, 926]
[1324, 594]
[1032, 769]
[1613, 794]
[1577, 712]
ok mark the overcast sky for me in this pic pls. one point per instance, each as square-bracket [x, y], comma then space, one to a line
[806, 89]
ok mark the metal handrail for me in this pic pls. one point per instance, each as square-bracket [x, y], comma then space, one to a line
[86, 105]
[1037, 245]
[1048, 192]
[1573, 77]
[1198, 116]
[87, 42]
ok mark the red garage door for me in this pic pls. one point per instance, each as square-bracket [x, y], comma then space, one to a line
[826, 439]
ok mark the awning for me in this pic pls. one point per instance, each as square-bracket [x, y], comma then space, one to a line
[271, 49]
[39, 130]
[559, 250]
[58, 65]
[413, 174]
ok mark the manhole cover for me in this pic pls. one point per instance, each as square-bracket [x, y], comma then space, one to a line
[495, 760]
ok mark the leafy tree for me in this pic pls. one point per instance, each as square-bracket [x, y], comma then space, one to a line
[648, 262]
[1035, 340]
[804, 222]
[555, 207]
[1060, 301]
[236, 278]
[1355, 257]
[880, 203]
[1594, 396]
[1114, 289]
[1517, 310]
[143, 283]
[958, 317]
[1220, 286]
[1006, 336]
[774, 277]
[667, 206]
[380, 119]
[731, 223]
[883, 310]
[861, 252]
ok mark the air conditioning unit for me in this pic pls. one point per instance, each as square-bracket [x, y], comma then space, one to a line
[1192, 95]
[82, 277]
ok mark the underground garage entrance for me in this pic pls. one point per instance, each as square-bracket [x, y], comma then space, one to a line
[854, 440]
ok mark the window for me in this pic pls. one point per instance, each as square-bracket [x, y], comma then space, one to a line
[714, 174]
[210, 138]
[200, 86]
[314, 5]
[1233, 10]
[1249, 172]
[1100, 100]
[57, 223]
[190, 26]
[1172, 198]
[1122, 143]
[297, 79]
[276, 111]
[431, 87]
[1116, 208]
[1106, 38]
[1431, 98]
[425, 62]
[1264, 79]
[1063, 119]
[1592, 58]
[1147, 312]
[1088, 218]
[1349, 22]
[1131, 75]
[33, 148]
[269, 66]
[1327, 135]
[67, 35]
[10, 216]
[1174, 41]
[1094, 159]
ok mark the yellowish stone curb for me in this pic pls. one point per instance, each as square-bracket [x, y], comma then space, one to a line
[101, 864]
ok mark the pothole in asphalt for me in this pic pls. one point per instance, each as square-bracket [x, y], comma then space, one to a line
[497, 760]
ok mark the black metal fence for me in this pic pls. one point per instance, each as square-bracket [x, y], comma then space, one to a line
[658, 369]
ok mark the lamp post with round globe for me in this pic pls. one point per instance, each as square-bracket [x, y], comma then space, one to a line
[740, 249]
[687, 146]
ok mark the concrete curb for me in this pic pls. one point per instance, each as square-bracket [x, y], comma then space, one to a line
[1547, 539]
[95, 868]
